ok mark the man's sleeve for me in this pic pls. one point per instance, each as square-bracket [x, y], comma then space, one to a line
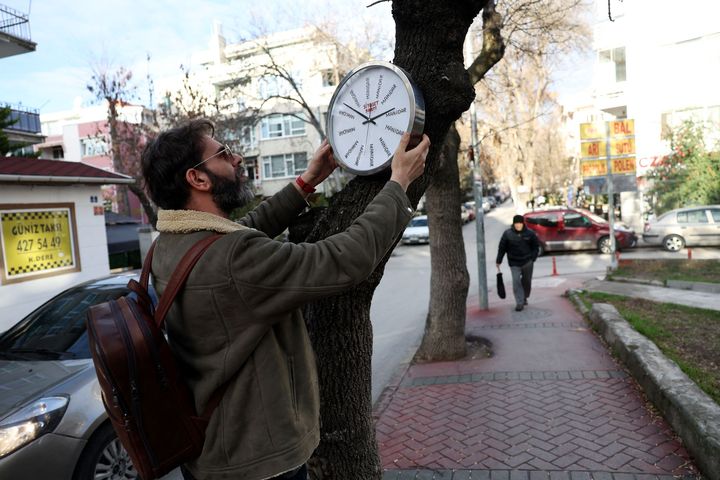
[502, 248]
[274, 277]
[274, 215]
[534, 245]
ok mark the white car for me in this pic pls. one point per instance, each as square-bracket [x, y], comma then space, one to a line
[417, 231]
[689, 226]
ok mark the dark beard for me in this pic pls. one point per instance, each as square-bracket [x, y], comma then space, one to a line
[230, 194]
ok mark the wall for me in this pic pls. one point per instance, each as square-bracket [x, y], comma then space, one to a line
[18, 299]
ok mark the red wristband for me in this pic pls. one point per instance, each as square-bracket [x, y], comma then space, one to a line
[305, 187]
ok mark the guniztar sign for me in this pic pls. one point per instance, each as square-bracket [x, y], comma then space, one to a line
[39, 240]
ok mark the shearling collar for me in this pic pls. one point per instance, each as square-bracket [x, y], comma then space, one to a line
[187, 221]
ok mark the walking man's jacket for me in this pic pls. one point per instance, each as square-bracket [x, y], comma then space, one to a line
[521, 247]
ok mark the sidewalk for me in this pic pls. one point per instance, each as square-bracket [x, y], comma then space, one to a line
[550, 404]
[689, 298]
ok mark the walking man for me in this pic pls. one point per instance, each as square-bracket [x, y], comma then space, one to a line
[238, 320]
[522, 247]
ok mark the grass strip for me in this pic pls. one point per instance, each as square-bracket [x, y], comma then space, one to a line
[689, 336]
[670, 269]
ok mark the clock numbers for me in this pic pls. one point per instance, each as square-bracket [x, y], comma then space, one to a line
[389, 94]
[352, 148]
[367, 88]
[377, 93]
[394, 130]
[346, 114]
[346, 131]
[385, 147]
[372, 155]
[355, 99]
[359, 155]
[397, 112]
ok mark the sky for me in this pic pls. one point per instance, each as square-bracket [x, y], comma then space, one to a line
[73, 36]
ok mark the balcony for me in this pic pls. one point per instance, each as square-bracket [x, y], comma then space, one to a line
[26, 130]
[14, 33]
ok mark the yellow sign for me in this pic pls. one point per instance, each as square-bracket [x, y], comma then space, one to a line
[38, 241]
[618, 147]
[591, 131]
[622, 128]
[598, 168]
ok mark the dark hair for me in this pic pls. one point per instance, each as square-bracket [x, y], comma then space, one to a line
[166, 159]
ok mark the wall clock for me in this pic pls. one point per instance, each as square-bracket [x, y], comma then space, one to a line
[370, 110]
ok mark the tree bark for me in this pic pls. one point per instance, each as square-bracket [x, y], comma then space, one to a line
[444, 337]
[429, 46]
[121, 191]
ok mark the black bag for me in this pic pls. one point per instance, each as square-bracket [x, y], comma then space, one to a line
[500, 286]
[149, 405]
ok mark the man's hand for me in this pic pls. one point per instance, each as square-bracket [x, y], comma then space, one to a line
[409, 165]
[321, 165]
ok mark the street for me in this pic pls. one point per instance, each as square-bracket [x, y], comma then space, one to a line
[401, 300]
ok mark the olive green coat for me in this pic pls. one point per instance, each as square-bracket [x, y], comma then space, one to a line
[239, 318]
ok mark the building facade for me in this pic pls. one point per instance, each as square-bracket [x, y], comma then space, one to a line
[658, 65]
[279, 83]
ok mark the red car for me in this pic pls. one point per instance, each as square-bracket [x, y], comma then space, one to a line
[576, 229]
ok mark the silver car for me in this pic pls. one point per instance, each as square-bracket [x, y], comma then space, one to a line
[52, 421]
[691, 226]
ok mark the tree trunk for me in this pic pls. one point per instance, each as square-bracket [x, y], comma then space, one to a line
[429, 45]
[444, 337]
[121, 191]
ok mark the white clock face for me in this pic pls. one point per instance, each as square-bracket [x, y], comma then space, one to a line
[371, 110]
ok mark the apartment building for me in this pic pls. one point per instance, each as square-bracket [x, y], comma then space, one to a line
[280, 82]
[658, 65]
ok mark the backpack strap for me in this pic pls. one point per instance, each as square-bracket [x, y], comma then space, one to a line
[180, 275]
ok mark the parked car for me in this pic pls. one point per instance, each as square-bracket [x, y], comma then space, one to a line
[464, 214]
[486, 206]
[470, 207]
[491, 200]
[52, 421]
[417, 231]
[576, 229]
[692, 226]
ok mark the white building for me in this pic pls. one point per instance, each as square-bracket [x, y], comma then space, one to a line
[658, 64]
[278, 147]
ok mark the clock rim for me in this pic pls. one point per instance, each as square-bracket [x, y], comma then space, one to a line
[416, 119]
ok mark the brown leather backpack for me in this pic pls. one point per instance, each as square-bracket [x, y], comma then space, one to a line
[148, 403]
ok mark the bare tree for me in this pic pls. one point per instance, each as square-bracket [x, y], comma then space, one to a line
[115, 88]
[429, 45]
[536, 33]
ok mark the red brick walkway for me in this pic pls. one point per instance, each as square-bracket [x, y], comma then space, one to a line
[550, 402]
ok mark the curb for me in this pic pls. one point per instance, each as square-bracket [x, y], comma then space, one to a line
[642, 281]
[696, 286]
[694, 416]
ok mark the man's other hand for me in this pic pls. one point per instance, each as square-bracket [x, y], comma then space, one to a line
[409, 165]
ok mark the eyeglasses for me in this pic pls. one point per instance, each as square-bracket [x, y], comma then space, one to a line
[226, 152]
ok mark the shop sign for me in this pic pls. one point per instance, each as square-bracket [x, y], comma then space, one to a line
[38, 241]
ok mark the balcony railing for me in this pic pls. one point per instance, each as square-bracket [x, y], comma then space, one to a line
[27, 120]
[14, 23]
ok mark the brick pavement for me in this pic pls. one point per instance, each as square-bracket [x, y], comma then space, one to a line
[551, 404]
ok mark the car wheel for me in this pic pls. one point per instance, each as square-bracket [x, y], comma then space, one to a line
[105, 457]
[604, 245]
[673, 243]
[541, 251]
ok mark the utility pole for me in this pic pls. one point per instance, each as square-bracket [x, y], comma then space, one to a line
[479, 212]
[611, 197]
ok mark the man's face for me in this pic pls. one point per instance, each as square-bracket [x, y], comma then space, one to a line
[230, 189]
[518, 226]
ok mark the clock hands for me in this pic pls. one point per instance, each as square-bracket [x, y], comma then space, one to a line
[372, 119]
[358, 112]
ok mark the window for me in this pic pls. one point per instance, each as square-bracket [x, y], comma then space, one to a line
[328, 78]
[617, 57]
[286, 165]
[544, 220]
[247, 137]
[276, 126]
[715, 212]
[94, 146]
[57, 152]
[575, 220]
[269, 87]
[693, 216]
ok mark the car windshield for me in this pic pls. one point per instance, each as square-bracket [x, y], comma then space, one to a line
[57, 329]
[595, 218]
[418, 222]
